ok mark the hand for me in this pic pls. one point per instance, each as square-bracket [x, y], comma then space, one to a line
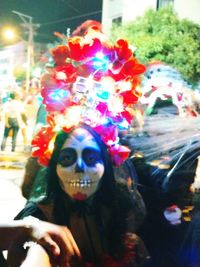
[57, 240]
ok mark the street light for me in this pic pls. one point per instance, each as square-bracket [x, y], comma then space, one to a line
[28, 24]
[9, 34]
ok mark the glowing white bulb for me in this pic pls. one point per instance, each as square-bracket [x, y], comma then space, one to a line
[100, 55]
[51, 144]
[61, 75]
[124, 86]
[116, 105]
[73, 116]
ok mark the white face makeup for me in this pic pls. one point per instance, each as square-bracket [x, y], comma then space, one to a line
[80, 166]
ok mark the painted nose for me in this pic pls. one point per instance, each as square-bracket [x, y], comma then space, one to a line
[79, 166]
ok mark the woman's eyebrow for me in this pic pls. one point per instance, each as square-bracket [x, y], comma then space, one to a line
[66, 148]
[97, 149]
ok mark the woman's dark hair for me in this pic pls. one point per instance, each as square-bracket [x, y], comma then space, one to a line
[107, 194]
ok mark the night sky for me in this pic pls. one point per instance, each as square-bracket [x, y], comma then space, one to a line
[52, 15]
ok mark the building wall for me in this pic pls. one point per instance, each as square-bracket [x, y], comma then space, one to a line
[135, 8]
[130, 9]
[16, 55]
[127, 9]
[189, 9]
[111, 9]
[11, 56]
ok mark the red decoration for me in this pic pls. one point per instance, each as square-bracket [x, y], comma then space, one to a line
[69, 72]
[60, 54]
[119, 154]
[41, 142]
[88, 77]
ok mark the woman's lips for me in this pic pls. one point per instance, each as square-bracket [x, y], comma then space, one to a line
[80, 196]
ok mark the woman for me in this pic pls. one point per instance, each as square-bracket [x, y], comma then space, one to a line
[11, 113]
[84, 196]
[14, 118]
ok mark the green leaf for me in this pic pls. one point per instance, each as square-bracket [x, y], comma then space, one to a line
[161, 35]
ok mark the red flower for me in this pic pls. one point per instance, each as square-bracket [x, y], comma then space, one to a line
[127, 71]
[80, 51]
[92, 49]
[132, 67]
[119, 154]
[123, 51]
[128, 116]
[129, 97]
[76, 49]
[51, 121]
[60, 54]
[40, 144]
[69, 73]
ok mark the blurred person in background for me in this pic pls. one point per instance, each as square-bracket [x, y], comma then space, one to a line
[12, 113]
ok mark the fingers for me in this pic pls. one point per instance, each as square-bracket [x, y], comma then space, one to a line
[57, 251]
[72, 242]
[50, 245]
[59, 240]
[67, 245]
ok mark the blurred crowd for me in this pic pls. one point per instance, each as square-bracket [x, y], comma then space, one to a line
[18, 115]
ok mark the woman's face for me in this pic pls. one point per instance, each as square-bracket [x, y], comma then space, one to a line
[80, 166]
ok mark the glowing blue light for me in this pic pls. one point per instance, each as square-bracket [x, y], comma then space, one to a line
[101, 91]
[101, 61]
[59, 94]
[123, 125]
[104, 121]
[104, 95]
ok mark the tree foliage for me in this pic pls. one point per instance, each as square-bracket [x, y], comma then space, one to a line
[161, 35]
[19, 73]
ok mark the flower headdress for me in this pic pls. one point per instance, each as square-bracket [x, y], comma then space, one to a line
[93, 82]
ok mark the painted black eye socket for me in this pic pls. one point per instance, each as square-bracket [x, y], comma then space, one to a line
[67, 157]
[91, 156]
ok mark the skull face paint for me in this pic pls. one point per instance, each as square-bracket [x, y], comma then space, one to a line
[80, 166]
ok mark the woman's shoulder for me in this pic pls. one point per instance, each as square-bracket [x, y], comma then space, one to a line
[131, 203]
[31, 209]
[123, 194]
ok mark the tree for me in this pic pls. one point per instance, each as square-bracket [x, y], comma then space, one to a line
[19, 73]
[161, 35]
